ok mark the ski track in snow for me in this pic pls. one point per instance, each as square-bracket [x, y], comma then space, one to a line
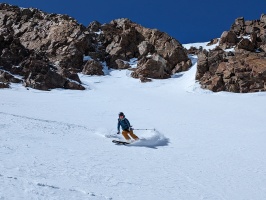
[29, 179]
[31, 129]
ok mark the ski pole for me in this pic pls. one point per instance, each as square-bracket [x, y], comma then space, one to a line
[144, 129]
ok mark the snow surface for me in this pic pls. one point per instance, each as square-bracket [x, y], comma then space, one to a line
[57, 144]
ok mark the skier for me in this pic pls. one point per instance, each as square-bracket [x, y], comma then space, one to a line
[127, 129]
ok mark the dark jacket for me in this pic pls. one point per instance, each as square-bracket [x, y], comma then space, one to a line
[124, 123]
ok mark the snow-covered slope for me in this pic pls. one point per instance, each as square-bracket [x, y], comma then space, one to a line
[57, 144]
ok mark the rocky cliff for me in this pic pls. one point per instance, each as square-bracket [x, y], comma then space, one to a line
[241, 69]
[45, 51]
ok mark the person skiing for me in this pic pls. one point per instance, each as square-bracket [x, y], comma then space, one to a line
[127, 129]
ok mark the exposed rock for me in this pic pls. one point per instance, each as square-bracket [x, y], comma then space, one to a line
[48, 49]
[246, 44]
[145, 79]
[242, 71]
[194, 51]
[213, 41]
[60, 36]
[208, 62]
[6, 77]
[94, 26]
[238, 26]
[235, 73]
[122, 64]
[40, 75]
[125, 40]
[69, 74]
[228, 39]
[73, 86]
[145, 48]
[4, 85]
[93, 67]
[153, 66]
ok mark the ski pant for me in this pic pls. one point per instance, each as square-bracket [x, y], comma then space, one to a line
[126, 134]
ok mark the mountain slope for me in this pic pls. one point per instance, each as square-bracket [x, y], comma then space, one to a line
[57, 144]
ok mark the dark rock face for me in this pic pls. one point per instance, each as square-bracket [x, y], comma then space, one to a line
[122, 64]
[153, 67]
[6, 77]
[93, 67]
[242, 71]
[47, 50]
[228, 39]
[125, 40]
[31, 41]
[213, 41]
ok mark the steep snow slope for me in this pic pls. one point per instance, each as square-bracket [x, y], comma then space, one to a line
[57, 144]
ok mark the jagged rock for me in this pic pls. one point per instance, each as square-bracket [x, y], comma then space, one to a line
[73, 86]
[213, 41]
[93, 67]
[4, 85]
[125, 40]
[246, 44]
[6, 77]
[208, 62]
[48, 49]
[242, 72]
[144, 79]
[263, 19]
[122, 64]
[238, 26]
[12, 52]
[69, 74]
[153, 66]
[94, 26]
[193, 50]
[40, 75]
[60, 36]
[145, 48]
[228, 39]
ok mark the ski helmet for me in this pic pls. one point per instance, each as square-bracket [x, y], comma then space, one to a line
[121, 114]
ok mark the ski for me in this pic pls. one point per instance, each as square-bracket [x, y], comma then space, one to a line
[120, 142]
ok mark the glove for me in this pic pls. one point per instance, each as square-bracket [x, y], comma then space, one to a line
[131, 129]
[118, 132]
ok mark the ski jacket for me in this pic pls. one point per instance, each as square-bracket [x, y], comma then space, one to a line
[124, 123]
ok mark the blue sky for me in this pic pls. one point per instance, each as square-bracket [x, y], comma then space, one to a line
[186, 20]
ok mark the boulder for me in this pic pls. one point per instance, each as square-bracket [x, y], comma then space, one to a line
[60, 36]
[243, 72]
[93, 67]
[153, 66]
[145, 48]
[4, 85]
[73, 85]
[94, 26]
[209, 61]
[194, 51]
[228, 40]
[213, 41]
[246, 44]
[125, 39]
[40, 75]
[122, 64]
[6, 77]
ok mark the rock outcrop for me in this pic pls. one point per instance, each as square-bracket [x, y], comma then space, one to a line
[36, 45]
[93, 67]
[47, 50]
[125, 40]
[244, 69]
[240, 72]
